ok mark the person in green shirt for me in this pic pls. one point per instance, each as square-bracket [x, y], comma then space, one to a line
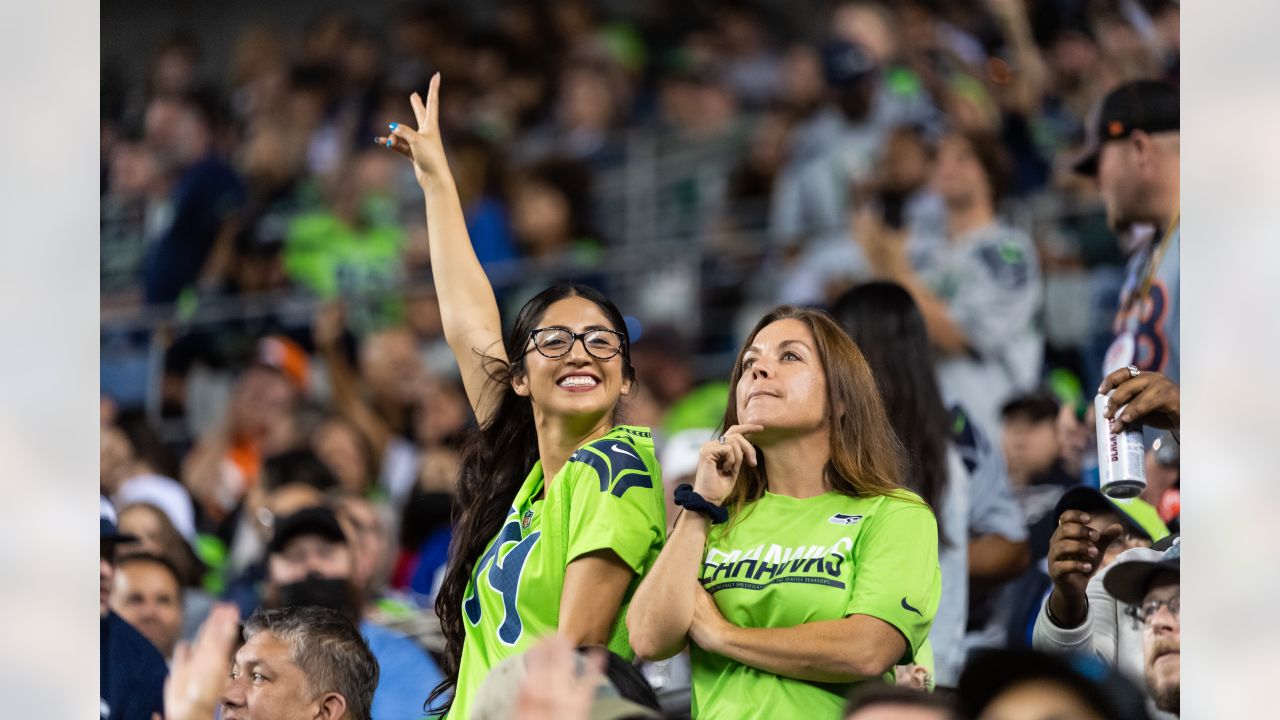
[826, 571]
[560, 511]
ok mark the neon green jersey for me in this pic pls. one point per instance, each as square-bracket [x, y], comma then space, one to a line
[784, 561]
[608, 496]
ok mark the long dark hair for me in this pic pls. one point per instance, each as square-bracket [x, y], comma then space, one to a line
[866, 459]
[496, 459]
[884, 321]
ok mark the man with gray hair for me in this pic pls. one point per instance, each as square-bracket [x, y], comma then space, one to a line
[301, 662]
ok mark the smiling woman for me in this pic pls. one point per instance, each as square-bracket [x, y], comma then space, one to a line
[560, 511]
[826, 571]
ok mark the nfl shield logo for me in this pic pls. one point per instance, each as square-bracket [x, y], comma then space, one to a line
[527, 520]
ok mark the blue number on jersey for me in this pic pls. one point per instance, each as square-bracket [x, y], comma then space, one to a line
[504, 576]
[616, 464]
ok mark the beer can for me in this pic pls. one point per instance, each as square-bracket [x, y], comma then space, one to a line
[1122, 468]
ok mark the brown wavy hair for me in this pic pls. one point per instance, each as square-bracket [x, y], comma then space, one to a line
[866, 457]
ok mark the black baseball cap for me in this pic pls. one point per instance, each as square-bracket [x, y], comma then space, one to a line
[1147, 105]
[845, 64]
[308, 521]
[1089, 499]
[1101, 686]
[1128, 580]
[109, 533]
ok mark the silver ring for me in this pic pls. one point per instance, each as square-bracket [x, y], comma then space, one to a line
[1133, 370]
[721, 439]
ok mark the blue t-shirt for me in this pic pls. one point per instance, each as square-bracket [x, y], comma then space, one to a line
[406, 674]
[207, 194]
[131, 671]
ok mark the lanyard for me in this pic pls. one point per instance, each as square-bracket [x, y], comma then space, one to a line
[1160, 245]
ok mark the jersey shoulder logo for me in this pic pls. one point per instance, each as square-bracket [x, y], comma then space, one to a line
[905, 606]
[617, 467]
[842, 519]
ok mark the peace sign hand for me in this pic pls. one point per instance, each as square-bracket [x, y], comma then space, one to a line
[423, 146]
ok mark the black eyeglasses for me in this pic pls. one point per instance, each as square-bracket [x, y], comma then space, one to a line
[555, 342]
[1143, 614]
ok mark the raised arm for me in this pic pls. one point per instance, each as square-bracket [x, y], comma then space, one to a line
[468, 307]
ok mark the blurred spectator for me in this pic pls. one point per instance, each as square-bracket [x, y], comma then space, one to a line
[426, 525]
[1150, 584]
[1134, 153]
[381, 400]
[134, 192]
[353, 245]
[195, 245]
[157, 535]
[553, 682]
[891, 702]
[291, 481]
[978, 286]
[147, 593]
[1026, 685]
[370, 542]
[341, 447]
[753, 70]
[132, 670]
[316, 663]
[422, 316]
[587, 111]
[954, 467]
[1034, 453]
[272, 160]
[481, 177]
[136, 467]
[311, 563]
[830, 151]
[226, 461]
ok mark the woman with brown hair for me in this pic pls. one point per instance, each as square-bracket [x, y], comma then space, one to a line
[805, 566]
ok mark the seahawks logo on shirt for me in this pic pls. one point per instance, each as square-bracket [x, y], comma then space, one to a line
[618, 467]
[1007, 264]
[842, 519]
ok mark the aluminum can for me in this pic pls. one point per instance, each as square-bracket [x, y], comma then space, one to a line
[1122, 469]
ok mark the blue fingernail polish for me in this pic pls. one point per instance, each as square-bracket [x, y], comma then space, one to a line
[394, 125]
[388, 142]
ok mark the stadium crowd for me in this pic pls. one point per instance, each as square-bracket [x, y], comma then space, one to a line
[957, 218]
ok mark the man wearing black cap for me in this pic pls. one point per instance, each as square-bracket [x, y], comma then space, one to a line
[131, 669]
[1134, 154]
[1150, 583]
[310, 564]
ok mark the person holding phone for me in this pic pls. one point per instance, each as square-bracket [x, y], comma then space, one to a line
[977, 283]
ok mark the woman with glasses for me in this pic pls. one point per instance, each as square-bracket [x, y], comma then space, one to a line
[800, 565]
[560, 510]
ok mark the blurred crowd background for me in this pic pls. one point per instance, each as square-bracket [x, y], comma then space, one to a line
[270, 334]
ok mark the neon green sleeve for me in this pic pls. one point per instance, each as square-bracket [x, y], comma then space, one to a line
[896, 571]
[616, 502]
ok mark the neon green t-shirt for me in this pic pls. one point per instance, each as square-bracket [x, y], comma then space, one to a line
[608, 496]
[784, 561]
